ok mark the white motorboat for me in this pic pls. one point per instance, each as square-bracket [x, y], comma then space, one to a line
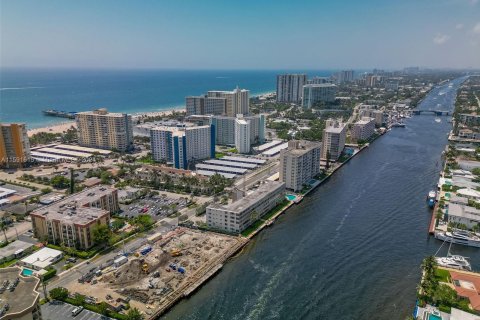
[454, 262]
[459, 237]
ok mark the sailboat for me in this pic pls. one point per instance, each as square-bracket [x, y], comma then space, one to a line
[454, 261]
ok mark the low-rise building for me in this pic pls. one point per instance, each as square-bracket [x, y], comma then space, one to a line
[378, 115]
[14, 250]
[466, 215]
[71, 221]
[299, 163]
[23, 302]
[363, 129]
[245, 209]
[42, 259]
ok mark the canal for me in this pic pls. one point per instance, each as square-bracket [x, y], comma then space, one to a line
[352, 249]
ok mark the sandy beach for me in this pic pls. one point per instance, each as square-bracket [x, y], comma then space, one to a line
[64, 126]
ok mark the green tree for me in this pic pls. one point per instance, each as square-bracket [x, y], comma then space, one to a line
[58, 293]
[143, 221]
[101, 234]
[4, 228]
[79, 299]
[60, 182]
[103, 308]
[134, 314]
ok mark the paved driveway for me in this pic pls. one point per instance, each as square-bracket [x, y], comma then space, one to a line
[61, 310]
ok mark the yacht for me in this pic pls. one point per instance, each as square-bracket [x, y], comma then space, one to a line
[454, 262]
[438, 120]
[459, 237]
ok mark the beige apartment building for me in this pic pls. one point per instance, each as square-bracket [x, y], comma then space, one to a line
[14, 145]
[105, 130]
[237, 101]
[299, 163]
[71, 221]
[334, 136]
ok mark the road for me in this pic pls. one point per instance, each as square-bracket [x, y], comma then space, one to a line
[16, 229]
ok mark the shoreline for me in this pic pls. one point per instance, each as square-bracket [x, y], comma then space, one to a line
[63, 126]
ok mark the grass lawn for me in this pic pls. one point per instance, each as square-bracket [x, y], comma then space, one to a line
[267, 216]
[8, 263]
[442, 275]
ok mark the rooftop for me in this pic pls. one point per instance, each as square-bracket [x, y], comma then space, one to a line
[263, 191]
[42, 258]
[102, 112]
[4, 192]
[25, 295]
[300, 147]
[459, 210]
[76, 208]
[14, 247]
[244, 159]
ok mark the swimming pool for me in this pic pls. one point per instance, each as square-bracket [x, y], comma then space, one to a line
[290, 197]
[434, 317]
[27, 272]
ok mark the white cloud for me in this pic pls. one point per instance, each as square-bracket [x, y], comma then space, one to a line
[473, 2]
[440, 38]
[476, 29]
[459, 26]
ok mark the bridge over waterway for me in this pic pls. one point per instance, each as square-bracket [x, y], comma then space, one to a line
[435, 112]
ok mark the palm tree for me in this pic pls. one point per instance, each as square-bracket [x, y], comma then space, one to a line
[4, 228]
[134, 314]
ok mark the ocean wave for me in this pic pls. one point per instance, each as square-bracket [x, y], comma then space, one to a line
[20, 88]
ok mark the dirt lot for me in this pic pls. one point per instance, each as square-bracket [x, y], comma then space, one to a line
[149, 279]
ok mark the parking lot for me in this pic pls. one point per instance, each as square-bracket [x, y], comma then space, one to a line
[157, 207]
[60, 310]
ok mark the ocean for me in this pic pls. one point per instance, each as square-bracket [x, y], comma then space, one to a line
[24, 93]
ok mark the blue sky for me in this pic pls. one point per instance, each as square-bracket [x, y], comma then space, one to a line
[268, 34]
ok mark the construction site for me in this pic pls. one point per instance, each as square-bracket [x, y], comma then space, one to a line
[165, 270]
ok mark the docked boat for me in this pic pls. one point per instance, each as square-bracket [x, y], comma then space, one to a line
[398, 125]
[459, 237]
[432, 195]
[438, 120]
[454, 262]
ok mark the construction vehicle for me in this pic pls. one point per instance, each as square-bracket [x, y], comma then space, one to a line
[176, 252]
[145, 267]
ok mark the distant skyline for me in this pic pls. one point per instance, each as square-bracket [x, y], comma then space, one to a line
[242, 35]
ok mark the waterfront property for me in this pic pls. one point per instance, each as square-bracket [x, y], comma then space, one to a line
[21, 301]
[237, 101]
[290, 87]
[14, 145]
[333, 141]
[105, 130]
[71, 221]
[245, 208]
[299, 163]
[363, 129]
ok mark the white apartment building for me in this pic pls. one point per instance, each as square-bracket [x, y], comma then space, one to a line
[102, 129]
[204, 105]
[333, 139]
[243, 211]
[363, 129]
[290, 87]
[299, 163]
[182, 145]
[242, 135]
[314, 93]
[236, 101]
[225, 129]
